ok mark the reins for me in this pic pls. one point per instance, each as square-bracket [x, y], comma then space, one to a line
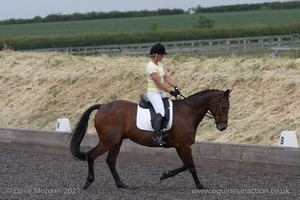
[181, 97]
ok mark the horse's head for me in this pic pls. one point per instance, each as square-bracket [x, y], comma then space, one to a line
[219, 110]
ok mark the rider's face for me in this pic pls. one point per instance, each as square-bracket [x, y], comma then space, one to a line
[160, 57]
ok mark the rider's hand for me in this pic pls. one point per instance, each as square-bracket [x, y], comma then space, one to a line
[176, 90]
[173, 93]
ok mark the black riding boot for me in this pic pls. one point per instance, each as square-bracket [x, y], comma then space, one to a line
[158, 122]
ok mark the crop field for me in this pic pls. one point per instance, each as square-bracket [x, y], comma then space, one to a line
[142, 24]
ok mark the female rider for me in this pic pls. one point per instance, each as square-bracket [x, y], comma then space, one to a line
[156, 75]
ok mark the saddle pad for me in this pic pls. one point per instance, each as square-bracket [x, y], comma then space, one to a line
[143, 118]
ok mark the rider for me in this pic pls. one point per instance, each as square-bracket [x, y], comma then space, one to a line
[156, 75]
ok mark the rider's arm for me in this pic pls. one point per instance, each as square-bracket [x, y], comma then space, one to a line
[169, 80]
[155, 77]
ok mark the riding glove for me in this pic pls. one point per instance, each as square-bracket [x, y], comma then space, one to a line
[176, 90]
[173, 93]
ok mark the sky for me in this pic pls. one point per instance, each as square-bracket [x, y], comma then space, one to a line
[28, 9]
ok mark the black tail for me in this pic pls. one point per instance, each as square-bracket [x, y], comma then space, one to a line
[79, 132]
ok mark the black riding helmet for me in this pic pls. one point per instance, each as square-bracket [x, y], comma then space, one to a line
[158, 49]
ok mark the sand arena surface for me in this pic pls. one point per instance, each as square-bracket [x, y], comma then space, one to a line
[27, 175]
[38, 88]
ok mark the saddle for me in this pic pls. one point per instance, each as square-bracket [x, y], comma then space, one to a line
[145, 104]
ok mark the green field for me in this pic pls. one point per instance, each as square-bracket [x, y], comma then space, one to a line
[142, 24]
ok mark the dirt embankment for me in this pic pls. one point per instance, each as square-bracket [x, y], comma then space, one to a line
[38, 88]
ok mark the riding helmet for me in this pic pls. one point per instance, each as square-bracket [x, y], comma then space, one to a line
[158, 48]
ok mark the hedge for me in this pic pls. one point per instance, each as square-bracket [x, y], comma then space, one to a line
[97, 39]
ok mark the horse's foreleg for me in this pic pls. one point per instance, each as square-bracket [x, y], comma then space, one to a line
[185, 153]
[195, 177]
[111, 161]
[172, 173]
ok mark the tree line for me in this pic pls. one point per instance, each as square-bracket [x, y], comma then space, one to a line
[248, 7]
[160, 12]
[93, 15]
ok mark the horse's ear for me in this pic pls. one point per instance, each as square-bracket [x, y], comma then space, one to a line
[227, 93]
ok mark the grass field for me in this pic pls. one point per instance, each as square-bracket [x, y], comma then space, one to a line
[141, 24]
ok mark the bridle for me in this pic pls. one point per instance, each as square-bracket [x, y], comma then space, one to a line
[218, 109]
[209, 114]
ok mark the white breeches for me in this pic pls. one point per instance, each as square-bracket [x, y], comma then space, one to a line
[156, 100]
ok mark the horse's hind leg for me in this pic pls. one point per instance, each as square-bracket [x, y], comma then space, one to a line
[91, 156]
[111, 161]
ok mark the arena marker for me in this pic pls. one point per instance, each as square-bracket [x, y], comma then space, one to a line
[288, 139]
[63, 125]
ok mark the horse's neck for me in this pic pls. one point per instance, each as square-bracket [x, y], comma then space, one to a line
[198, 102]
[199, 105]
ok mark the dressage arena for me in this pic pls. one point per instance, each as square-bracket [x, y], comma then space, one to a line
[38, 165]
[31, 171]
[27, 175]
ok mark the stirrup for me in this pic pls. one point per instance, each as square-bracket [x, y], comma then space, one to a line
[158, 141]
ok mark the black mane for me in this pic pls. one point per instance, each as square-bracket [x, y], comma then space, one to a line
[202, 93]
[199, 93]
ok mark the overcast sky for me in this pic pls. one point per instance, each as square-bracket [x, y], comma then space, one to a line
[27, 9]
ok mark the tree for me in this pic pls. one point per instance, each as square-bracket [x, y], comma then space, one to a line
[204, 22]
[37, 19]
[153, 27]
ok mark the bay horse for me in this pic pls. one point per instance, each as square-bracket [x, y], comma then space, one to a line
[116, 121]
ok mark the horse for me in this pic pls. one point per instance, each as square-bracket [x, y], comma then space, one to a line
[115, 121]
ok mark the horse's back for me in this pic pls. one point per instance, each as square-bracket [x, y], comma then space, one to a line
[114, 119]
[117, 107]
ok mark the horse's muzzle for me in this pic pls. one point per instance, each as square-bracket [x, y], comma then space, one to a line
[221, 126]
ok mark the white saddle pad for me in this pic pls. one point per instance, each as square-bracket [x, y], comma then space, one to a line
[143, 118]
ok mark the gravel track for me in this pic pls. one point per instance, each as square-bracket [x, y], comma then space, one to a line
[26, 175]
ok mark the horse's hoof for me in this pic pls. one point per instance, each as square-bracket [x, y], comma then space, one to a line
[164, 176]
[123, 186]
[201, 187]
[86, 184]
